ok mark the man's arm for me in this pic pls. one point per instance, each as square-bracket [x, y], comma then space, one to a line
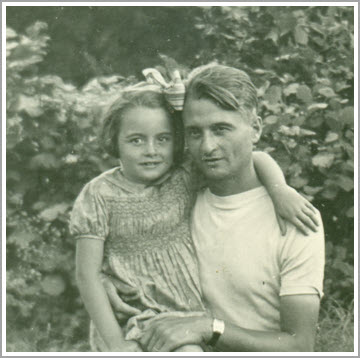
[298, 314]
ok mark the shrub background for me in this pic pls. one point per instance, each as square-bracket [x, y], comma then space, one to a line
[64, 66]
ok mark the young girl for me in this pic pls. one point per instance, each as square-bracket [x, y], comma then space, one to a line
[132, 224]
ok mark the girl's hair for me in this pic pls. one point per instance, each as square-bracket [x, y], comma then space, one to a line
[228, 87]
[134, 99]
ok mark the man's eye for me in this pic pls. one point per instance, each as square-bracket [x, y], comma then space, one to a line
[220, 130]
[193, 133]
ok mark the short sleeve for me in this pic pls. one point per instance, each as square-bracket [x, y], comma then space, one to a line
[88, 218]
[302, 263]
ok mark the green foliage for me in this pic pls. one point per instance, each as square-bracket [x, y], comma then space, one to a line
[51, 152]
[301, 60]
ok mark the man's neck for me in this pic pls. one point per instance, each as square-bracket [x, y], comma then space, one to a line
[235, 184]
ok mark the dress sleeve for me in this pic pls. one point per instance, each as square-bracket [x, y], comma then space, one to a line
[302, 263]
[88, 218]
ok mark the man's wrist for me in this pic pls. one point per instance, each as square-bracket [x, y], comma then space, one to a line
[207, 331]
[218, 328]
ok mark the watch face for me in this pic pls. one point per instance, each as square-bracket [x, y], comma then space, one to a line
[218, 326]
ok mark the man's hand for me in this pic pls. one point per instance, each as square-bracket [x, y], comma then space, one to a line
[126, 346]
[168, 333]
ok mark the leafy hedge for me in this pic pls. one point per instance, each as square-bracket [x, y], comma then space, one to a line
[301, 60]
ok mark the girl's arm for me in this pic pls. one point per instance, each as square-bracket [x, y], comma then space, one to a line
[289, 204]
[89, 256]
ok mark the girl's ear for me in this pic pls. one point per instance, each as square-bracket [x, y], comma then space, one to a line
[256, 125]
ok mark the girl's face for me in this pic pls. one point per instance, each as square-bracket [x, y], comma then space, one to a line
[146, 144]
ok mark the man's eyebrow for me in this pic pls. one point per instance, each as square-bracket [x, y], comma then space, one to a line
[191, 127]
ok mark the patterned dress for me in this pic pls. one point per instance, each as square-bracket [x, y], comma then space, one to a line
[147, 243]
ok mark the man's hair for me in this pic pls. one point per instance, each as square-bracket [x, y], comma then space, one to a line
[129, 100]
[228, 87]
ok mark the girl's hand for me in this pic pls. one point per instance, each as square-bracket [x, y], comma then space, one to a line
[293, 207]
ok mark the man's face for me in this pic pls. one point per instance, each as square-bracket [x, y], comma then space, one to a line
[220, 141]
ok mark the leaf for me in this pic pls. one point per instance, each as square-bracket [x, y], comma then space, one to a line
[350, 212]
[39, 205]
[53, 285]
[273, 94]
[306, 132]
[312, 190]
[291, 89]
[323, 160]
[286, 23]
[272, 35]
[347, 115]
[30, 105]
[44, 160]
[54, 211]
[345, 182]
[327, 92]
[330, 193]
[317, 106]
[298, 182]
[47, 143]
[22, 238]
[304, 94]
[331, 137]
[270, 120]
[10, 33]
[301, 36]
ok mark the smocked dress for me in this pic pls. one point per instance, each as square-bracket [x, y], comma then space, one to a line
[147, 243]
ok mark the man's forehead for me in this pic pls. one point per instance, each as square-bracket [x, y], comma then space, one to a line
[203, 113]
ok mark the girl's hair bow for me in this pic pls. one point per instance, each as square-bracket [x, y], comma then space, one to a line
[174, 91]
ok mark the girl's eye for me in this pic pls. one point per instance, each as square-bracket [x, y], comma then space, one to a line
[164, 139]
[136, 141]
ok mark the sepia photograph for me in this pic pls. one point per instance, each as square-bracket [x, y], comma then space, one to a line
[179, 177]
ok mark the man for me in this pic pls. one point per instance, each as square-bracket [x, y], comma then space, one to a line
[263, 289]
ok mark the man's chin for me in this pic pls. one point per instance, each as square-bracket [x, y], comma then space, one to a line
[213, 173]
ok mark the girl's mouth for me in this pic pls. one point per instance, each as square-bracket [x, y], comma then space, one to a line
[151, 164]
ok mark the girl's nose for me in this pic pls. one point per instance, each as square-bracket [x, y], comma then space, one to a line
[151, 148]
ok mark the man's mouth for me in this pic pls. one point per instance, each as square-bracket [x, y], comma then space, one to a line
[211, 160]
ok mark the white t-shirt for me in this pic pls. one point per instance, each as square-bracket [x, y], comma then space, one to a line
[246, 265]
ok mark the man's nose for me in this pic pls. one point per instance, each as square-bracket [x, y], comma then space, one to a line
[208, 143]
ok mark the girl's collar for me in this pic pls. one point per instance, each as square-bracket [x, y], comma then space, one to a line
[117, 178]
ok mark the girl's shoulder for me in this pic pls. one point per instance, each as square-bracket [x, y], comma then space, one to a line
[109, 185]
[104, 182]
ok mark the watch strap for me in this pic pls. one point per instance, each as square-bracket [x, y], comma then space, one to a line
[218, 328]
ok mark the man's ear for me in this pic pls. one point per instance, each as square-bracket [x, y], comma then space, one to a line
[256, 125]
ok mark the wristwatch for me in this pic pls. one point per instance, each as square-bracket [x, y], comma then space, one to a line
[218, 328]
